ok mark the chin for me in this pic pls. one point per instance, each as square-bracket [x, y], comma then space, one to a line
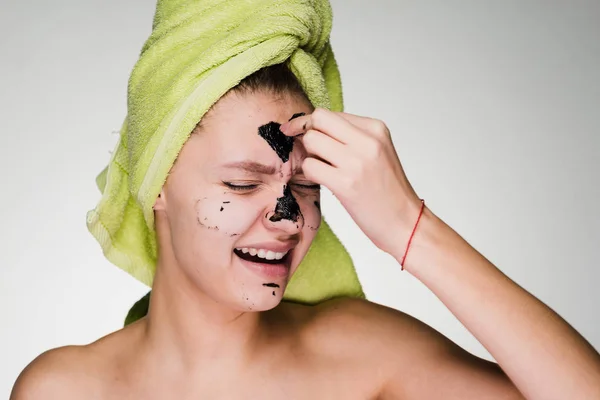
[261, 301]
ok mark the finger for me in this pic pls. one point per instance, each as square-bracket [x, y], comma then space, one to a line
[325, 121]
[297, 126]
[320, 172]
[372, 126]
[324, 147]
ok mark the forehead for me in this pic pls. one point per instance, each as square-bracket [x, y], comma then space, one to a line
[231, 127]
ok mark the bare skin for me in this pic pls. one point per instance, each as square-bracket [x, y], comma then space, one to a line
[346, 348]
[207, 341]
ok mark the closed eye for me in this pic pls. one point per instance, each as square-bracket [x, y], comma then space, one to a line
[239, 187]
[230, 185]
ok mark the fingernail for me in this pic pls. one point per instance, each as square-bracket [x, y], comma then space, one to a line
[284, 127]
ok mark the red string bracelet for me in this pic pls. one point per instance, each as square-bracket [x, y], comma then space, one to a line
[412, 234]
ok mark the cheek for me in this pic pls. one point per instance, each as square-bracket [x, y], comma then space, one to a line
[226, 215]
[311, 212]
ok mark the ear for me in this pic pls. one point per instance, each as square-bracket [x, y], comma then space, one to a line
[161, 201]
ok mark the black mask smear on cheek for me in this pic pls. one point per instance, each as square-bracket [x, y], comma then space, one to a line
[225, 202]
[287, 207]
[280, 143]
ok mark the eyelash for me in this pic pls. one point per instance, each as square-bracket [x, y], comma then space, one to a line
[250, 187]
[240, 187]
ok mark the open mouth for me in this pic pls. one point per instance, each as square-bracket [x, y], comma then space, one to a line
[273, 259]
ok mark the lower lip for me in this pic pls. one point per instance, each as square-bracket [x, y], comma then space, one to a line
[267, 270]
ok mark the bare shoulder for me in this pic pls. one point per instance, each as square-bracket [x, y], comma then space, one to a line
[57, 373]
[72, 372]
[373, 327]
[402, 352]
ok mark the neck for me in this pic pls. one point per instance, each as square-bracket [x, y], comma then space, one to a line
[191, 329]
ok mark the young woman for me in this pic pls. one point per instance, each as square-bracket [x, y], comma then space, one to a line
[216, 331]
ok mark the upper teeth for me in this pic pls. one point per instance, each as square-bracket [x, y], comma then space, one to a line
[262, 253]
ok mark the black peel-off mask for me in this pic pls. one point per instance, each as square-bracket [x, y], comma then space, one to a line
[280, 143]
[287, 207]
[297, 115]
[202, 207]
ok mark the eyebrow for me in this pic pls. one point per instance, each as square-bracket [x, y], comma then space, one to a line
[252, 166]
[256, 167]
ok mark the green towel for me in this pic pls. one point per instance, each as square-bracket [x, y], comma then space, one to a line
[197, 51]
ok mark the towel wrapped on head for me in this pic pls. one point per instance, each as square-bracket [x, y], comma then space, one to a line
[198, 50]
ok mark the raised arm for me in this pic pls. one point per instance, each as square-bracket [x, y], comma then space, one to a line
[355, 158]
[540, 352]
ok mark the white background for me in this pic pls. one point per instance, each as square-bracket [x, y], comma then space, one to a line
[494, 108]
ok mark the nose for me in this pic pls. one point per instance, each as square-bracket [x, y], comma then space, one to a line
[276, 220]
[286, 215]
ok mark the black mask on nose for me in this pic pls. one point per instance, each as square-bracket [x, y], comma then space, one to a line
[287, 207]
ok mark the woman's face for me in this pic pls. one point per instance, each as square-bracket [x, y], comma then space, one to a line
[241, 214]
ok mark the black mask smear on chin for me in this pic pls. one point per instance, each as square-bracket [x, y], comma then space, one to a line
[279, 142]
[287, 207]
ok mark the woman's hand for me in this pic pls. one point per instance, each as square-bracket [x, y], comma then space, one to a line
[354, 157]
[542, 354]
